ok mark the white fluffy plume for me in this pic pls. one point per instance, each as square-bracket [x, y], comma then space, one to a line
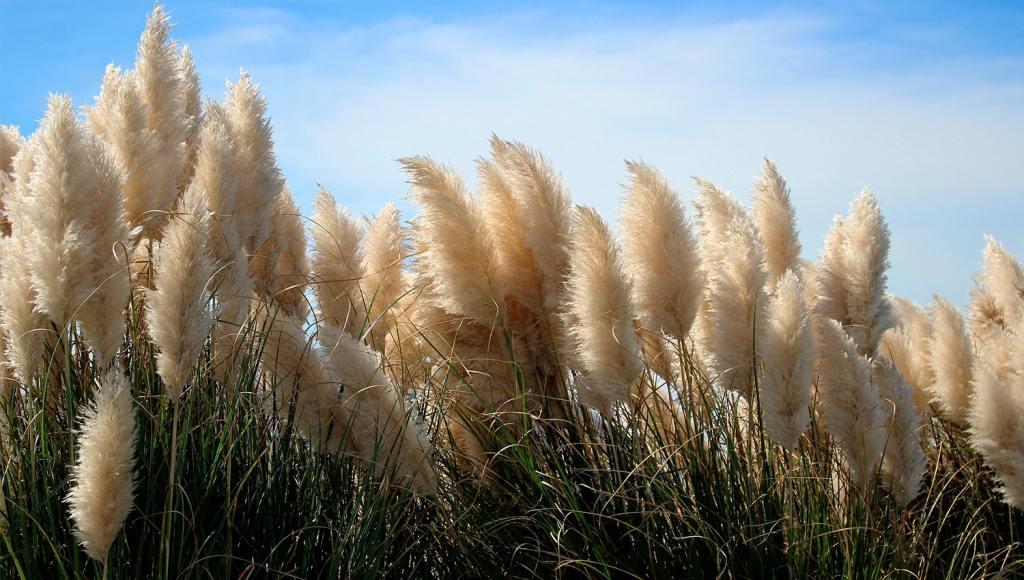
[952, 360]
[101, 495]
[852, 278]
[785, 395]
[851, 406]
[179, 309]
[604, 347]
[997, 428]
[776, 222]
[660, 254]
[904, 463]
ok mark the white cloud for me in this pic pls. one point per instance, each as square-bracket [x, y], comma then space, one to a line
[940, 145]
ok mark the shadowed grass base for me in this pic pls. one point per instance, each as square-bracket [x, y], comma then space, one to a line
[579, 498]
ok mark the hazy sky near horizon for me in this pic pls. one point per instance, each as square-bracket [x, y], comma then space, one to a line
[923, 102]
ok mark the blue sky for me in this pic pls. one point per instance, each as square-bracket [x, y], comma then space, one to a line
[921, 101]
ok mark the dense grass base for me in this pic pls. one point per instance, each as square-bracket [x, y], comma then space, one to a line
[635, 496]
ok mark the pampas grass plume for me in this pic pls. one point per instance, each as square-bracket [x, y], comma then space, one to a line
[852, 276]
[546, 214]
[106, 256]
[1004, 276]
[604, 346]
[383, 285]
[506, 220]
[119, 120]
[904, 463]
[24, 325]
[101, 495]
[997, 428]
[258, 177]
[851, 407]
[785, 395]
[952, 360]
[162, 88]
[776, 222]
[178, 309]
[660, 254]
[454, 245]
[337, 264]
[736, 310]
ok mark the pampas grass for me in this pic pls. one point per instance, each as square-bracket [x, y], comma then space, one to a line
[497, 389]
[660, 254]
[604, 347]
[120, 119]
[852, 275]
[546, 213]
[733, 257]
[337, 265]
[383, 286]
[776, 222]
[163, 91]
[904, 463]
[454, 245]
[996, 416]
[952, 360]
[179, 308]
[850, 404]
[380, 428]
[785, 387]
[24, 324]
[101, 496]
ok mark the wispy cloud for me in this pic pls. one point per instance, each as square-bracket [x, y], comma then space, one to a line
[937, 139]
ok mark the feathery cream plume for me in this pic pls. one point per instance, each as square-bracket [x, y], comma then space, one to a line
[101, 495]
[119, 119]
[292, 269]
[785, 387]
[258, 177]
[852, 274]
[179, 312]
[505, 218]
[776, 222]
[25, 326]
[102, 317]
[997, 428]
[11, 143]
[904, 462]
[379, 425]
[192, 96]
[604, 347]
[337, 265]
[162, 87]
[851, 406]
[546, 213]
[279, 267]
[660, 253]
[383, 285]
[736, 304]
[76, 221]
[1004, 275]
[56, 207]
[454, 245]
[716, 210]
[994, 307]
[525, 205]
[896, 347]
[952, 360]
[215, 178]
